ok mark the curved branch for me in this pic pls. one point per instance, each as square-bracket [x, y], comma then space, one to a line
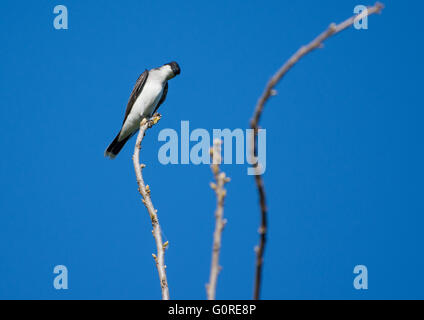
[147, 201]
[220, 180]
[269, 91]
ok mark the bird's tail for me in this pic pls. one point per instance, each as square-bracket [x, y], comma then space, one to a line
[116, 146]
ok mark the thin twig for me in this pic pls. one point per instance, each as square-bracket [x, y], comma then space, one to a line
[145, 193]
[269, 91]
[220, 180]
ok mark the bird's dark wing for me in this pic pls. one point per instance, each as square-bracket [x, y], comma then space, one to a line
[162, 99]
[141, 81]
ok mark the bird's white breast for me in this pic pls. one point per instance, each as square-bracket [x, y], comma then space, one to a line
[143, 106]
[148, 99]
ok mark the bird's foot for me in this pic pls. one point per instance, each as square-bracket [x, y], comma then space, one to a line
[155, 118]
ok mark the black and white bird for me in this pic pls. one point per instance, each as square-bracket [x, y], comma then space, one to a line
[148, 94]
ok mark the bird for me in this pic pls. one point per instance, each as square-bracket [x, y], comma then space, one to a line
[148, 94]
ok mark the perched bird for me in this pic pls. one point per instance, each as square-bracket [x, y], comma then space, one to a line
[148, 94]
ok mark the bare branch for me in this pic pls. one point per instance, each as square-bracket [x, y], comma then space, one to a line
[147, 201]
[218, 186]
[269, 91]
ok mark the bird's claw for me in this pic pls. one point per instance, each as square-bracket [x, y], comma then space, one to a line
[155, 118]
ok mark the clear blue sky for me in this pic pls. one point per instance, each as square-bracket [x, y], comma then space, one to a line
[345, 154]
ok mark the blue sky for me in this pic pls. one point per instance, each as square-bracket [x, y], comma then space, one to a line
[344, 149]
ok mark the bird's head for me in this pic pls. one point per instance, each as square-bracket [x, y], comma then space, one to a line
[174, 69]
